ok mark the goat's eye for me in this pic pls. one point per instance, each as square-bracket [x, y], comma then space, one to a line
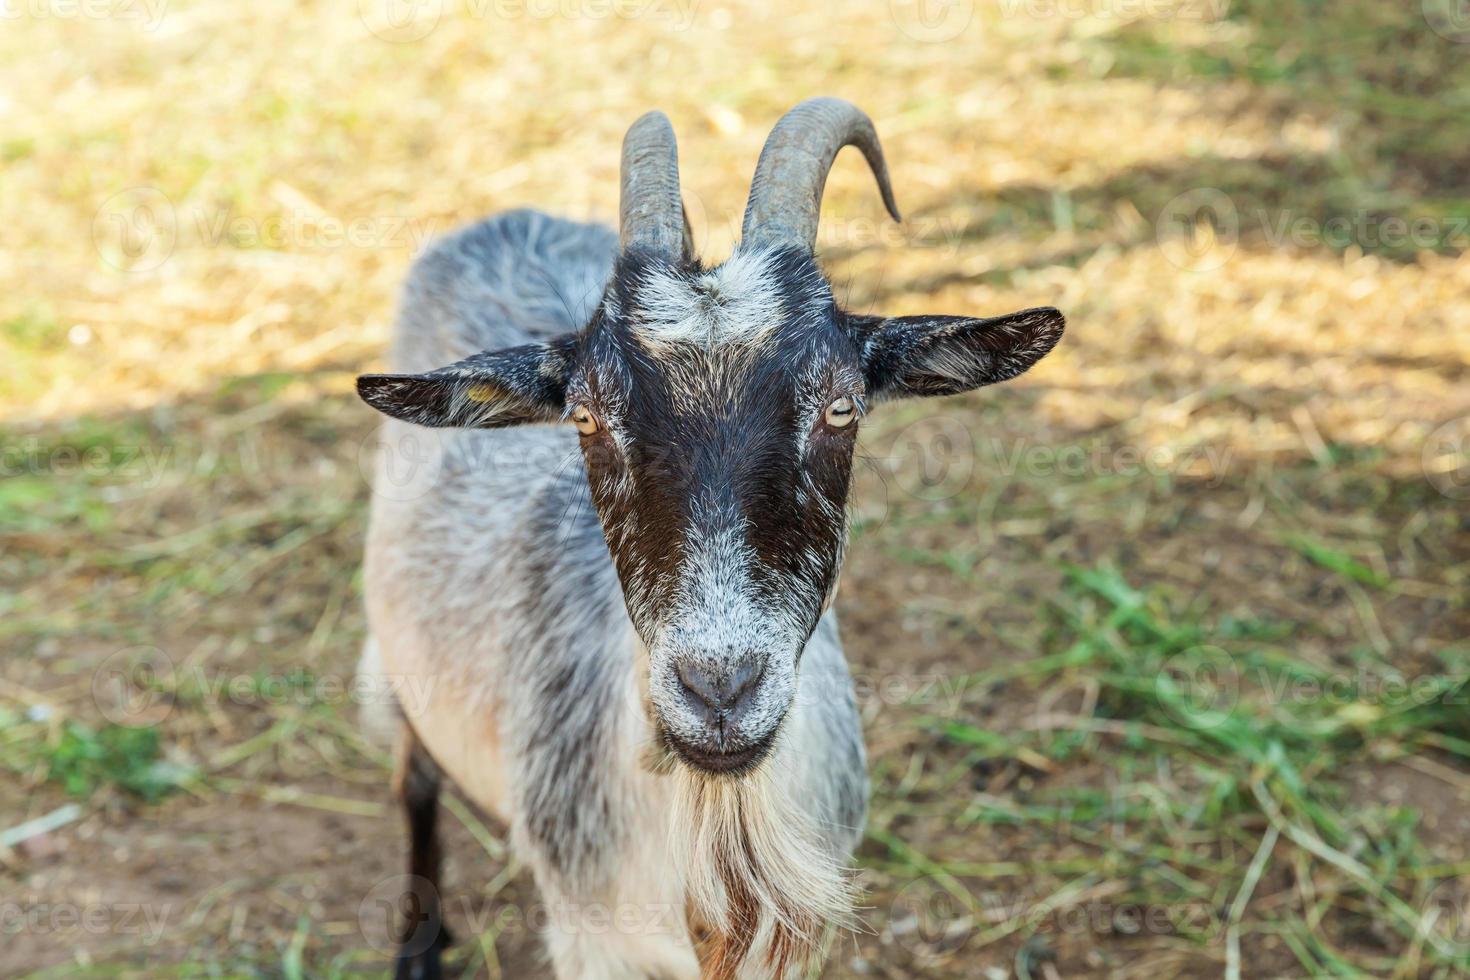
[585, 421]
[841, 412]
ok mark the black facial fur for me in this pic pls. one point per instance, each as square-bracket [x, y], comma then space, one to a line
[709, 438]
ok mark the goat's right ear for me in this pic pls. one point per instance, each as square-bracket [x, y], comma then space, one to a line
[484, 391]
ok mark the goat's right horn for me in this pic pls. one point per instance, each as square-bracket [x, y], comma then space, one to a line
[651, 214]
[786, 191]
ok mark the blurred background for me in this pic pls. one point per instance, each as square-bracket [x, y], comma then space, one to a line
[1162, 650]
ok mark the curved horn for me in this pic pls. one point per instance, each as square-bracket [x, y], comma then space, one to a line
[651, 214]
[786, 191]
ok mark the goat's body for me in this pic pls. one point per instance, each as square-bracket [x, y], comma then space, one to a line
[498, 619]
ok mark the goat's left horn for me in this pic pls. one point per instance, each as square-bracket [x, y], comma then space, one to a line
[651, 212]
[786, 191]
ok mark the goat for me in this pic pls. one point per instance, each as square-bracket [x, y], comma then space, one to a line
[622, 627]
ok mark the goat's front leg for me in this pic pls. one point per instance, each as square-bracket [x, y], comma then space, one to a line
[424, 935]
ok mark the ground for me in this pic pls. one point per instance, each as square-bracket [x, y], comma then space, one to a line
[1162, 649]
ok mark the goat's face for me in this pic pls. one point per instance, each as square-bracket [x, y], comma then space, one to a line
[718, 411]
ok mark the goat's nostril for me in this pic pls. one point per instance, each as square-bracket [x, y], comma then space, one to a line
[720, 690]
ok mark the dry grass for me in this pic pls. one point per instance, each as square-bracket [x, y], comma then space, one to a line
[1247, 445]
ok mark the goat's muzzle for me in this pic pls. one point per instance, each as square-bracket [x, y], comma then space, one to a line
[720, 715]
[721, 760]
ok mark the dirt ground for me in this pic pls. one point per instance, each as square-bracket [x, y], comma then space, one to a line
[1162, 650]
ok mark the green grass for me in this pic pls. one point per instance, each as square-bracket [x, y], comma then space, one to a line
[1252, 737]
[85, 761]
[1337, 561]
[1379, 68]
[1394, 94]
[34, 329]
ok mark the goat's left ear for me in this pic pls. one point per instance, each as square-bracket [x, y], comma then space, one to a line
[489, 390]
[912, 356]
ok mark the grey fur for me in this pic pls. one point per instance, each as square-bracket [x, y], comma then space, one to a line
[491, 582]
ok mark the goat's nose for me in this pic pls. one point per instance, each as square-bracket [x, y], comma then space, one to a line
[723, 691]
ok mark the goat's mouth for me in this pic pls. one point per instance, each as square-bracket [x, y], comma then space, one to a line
[721, 761]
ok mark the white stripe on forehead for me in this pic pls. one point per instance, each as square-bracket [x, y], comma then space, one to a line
[737, 303]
